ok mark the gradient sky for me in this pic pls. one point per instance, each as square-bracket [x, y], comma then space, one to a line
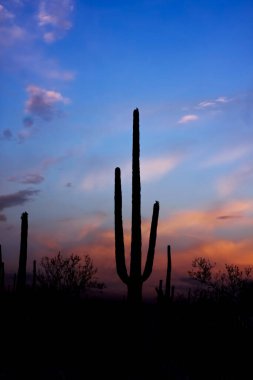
[72, 73]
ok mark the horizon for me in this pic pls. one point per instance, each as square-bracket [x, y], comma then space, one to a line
[72, 73]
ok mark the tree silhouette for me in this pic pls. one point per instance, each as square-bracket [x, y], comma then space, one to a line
[68, 273]
[232, 282]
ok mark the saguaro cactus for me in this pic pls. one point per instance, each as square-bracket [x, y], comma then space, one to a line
[21, 278]
[135, 279]
[1, 271]
[34, 283]
[169, 290]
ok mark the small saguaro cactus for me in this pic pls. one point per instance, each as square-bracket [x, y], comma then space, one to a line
[34, 283]
[168, 294]
[135, 279]
[21, 277]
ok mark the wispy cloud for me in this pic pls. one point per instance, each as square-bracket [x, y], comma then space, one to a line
[24, 134]
[188, 118]
[157, 167]
[5, 14]
[54, 18]
[212, 103]
[18, 24]
[41, 102]
[228, 184]
[10, 31]
[152, 169]
[27, 179]
[9, 35]
[225, 217]
[201, 222]
[228, 155]
[65, 75]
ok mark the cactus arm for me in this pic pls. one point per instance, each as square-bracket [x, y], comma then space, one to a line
[152, 242]
[119, 237]
[168, 276]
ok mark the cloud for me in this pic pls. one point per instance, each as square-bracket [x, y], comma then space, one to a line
[24, 134]
[6, 134]
[188, 118]
[227, 185]
[41, 102]
[9, 35]
[213, 103]
[20, 30]
[28, 122]
[157, 167]
[224, 217]
[206, 104]
[27, 179]
[202, 223]
[54, 18]
[10, 31]
[227, 156]
[3, 218]
[16, 199]
[151, 169]
[5, 14]
[60, 74]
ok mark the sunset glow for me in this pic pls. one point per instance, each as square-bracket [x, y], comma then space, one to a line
[71, 74]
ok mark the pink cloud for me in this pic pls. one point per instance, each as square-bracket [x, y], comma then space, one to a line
[41, 102]
[54, 17]
[228, 184]
[188, 118]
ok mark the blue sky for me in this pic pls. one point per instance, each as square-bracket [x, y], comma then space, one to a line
[71, 74]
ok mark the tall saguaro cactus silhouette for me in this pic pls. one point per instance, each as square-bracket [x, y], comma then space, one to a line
[21, 278]
[135, 279]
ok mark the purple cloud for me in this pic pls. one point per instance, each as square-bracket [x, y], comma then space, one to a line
[16, 199]
[42, 102]
[3, 218]
[224, 217]
[28, 122]
[6, 134]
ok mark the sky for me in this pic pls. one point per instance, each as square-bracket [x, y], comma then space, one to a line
[71, 74]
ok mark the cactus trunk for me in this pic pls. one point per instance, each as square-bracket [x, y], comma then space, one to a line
[21, 277]
[135, 279]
